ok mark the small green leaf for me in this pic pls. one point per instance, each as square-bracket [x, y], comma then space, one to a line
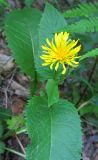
[52, 92]
[1, 129]
[2, 147]
[3, 2]
[5, 113]
[55, 131]
[91, 107]
[82, 10]
[92, 121]
[21, 29]
[16, 122]
[29, 2]
[92, 53]
[82, 26]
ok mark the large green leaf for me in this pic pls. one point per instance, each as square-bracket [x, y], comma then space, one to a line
[55, 131]
[51, 21]
[21, 28]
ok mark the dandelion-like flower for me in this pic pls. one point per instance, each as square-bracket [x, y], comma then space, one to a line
[62, 51]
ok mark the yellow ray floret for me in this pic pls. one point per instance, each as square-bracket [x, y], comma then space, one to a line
[62, 51]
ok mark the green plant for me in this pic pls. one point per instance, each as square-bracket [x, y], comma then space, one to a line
[82, 10]
[28, 2]
[53, 124]
[4, 3]
[2, 145]
[86, 18]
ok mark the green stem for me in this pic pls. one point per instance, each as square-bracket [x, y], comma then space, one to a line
[21, 131]
[15, 152]
[33, 85]
[83, 105]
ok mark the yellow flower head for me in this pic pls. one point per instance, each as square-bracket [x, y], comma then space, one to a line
[60, 50]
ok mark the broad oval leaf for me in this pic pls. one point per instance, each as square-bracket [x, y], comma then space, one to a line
[55, 132]
[51, 21]
[21, 28]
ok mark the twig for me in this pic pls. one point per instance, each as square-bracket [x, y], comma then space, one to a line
[6, 89]
[20, 144]
[89, 80]
[6, 98]
[11, 79]
[15, 152]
